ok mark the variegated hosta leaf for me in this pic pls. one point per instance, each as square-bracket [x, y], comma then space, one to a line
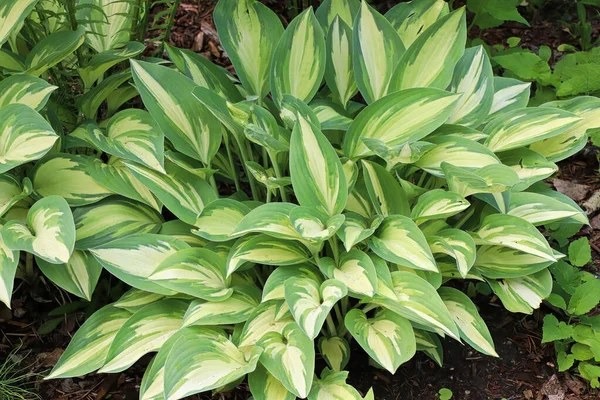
[264, 386]
[339, 71]
[310, 303]
[116, 177]
[471, 326]
[355, 269]
[498, 262]
[102, 62]
[413, 18]
[107, 21]
[540, 209]
[49, 232]
[25, 136]
[407, 153]
[190, 165]
[131, 135]
[263, 249]
[333, 386]
[53, 49]
[438, 204]
[386, 194]
[9, 261]
[234, 309]
[376, 49]
[182, 231]
[509, 94]
[418, 301]
[134, 258]
[456, 151]
[457, 244]
[124, 217]
[204, 73]
[90, 102]
[531, 167]
[399, 240]
[292, 108]
[12, 15]
[153, 382]
[274, 287]
[316, 171]
[218, 220]
[249, 32]
[570, 142]
[314, 227]
[298, 62]
[402, 117]
[523, 294]
[184, 194]
[493, 178]
[388, 338]
[330, 115]
[25, 89]
[524, 126]
[516, 233]
[430, 344]
[346, 10]
[194, 271]
[290, 357]
[11, 62]
[199, 364]
[146, 331]
[356, 228]
[66, 175]
[167, 95]
[460, 131]
[430, 59]
[272, 219]
[473, 77]
[89, 347]
[269, 316]
[134, 299]
[12, 191]
[335, 351]
[79, 275]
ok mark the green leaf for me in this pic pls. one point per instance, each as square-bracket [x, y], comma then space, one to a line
[580, 252]
[25, 135]
[102, 62]
[523, 294]
[298, 62]
[399, 118]
[431, 58]
[585, 298]
[249, 32]
[146, 331]
[199, 364]
[194, 271]
[471, 326]
[400, 241]
[355, 269]
[53, 49]
[89, 347]
[134, 258]
[316, 171]
[236, 308]
[491, 13]
[124, 217]
[310, 303]
[387, 338]
[167, 95]
[335, 351]
[78, 276]
[25, 89]
[554, 330]
[12, 15]
[290, 357]
[49, 232]
[520, 127]
[376, 47]
[66, 175]
[411, 19]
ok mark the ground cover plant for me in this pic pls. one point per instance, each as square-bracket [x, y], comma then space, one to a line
[359, 174]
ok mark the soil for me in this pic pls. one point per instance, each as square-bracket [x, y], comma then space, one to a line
[525, 368]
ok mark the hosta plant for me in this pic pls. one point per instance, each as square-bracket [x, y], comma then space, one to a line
[337, 196]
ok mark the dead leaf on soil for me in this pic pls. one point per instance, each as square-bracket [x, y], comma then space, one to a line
[553, 389]
[575, 191]
[46, 360]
